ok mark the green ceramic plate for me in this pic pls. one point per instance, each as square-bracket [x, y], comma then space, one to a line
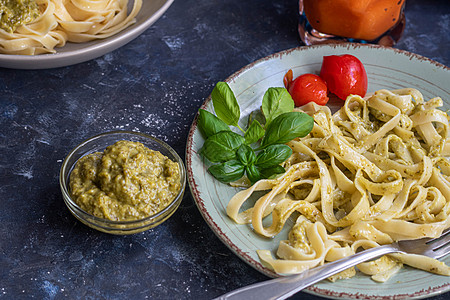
[386, 68]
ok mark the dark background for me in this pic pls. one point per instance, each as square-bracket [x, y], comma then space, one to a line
[155, 85]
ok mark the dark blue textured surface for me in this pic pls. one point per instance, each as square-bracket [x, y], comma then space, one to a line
[155, 84]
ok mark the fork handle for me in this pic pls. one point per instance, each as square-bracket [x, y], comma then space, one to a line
[284, 287]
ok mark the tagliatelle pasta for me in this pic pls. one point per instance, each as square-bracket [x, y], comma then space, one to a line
[62, 21]
[374, 172]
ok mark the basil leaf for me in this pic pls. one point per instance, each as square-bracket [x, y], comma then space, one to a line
[276, 101]
[254, 132]
[225, 104]
[222, 146]
[245, 155]
[287, 127]
[273, 155]
[209, 124]
[253, 173]
[228, 171]
[272, 172]
[256, 115]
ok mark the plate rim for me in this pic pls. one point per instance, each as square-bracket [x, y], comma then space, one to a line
[189, 152]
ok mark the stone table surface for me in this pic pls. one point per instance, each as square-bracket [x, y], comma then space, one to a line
[155, 84]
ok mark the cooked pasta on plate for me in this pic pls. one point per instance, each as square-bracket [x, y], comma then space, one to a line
[374, 172]
[338, 206]
[48, 24]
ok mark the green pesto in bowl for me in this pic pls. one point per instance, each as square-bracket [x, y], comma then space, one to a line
[116, 168]
[128, 181]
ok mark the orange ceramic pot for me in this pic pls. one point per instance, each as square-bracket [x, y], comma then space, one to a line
[357, 19]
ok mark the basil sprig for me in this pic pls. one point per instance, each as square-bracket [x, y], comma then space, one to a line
[260, 149]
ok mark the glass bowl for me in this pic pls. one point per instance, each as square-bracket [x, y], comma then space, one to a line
[98, 143]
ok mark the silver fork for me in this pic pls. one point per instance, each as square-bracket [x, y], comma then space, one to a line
[284, 287]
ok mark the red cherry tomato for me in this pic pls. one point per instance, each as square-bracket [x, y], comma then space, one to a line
[344, 75]
[306, 88]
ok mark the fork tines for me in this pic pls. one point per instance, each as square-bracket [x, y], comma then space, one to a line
[441, 245]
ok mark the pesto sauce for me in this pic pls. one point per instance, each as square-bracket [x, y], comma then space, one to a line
[128, 181]
[14, 13]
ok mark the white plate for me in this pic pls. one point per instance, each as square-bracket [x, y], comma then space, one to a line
[386, 68]
[74, 53]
